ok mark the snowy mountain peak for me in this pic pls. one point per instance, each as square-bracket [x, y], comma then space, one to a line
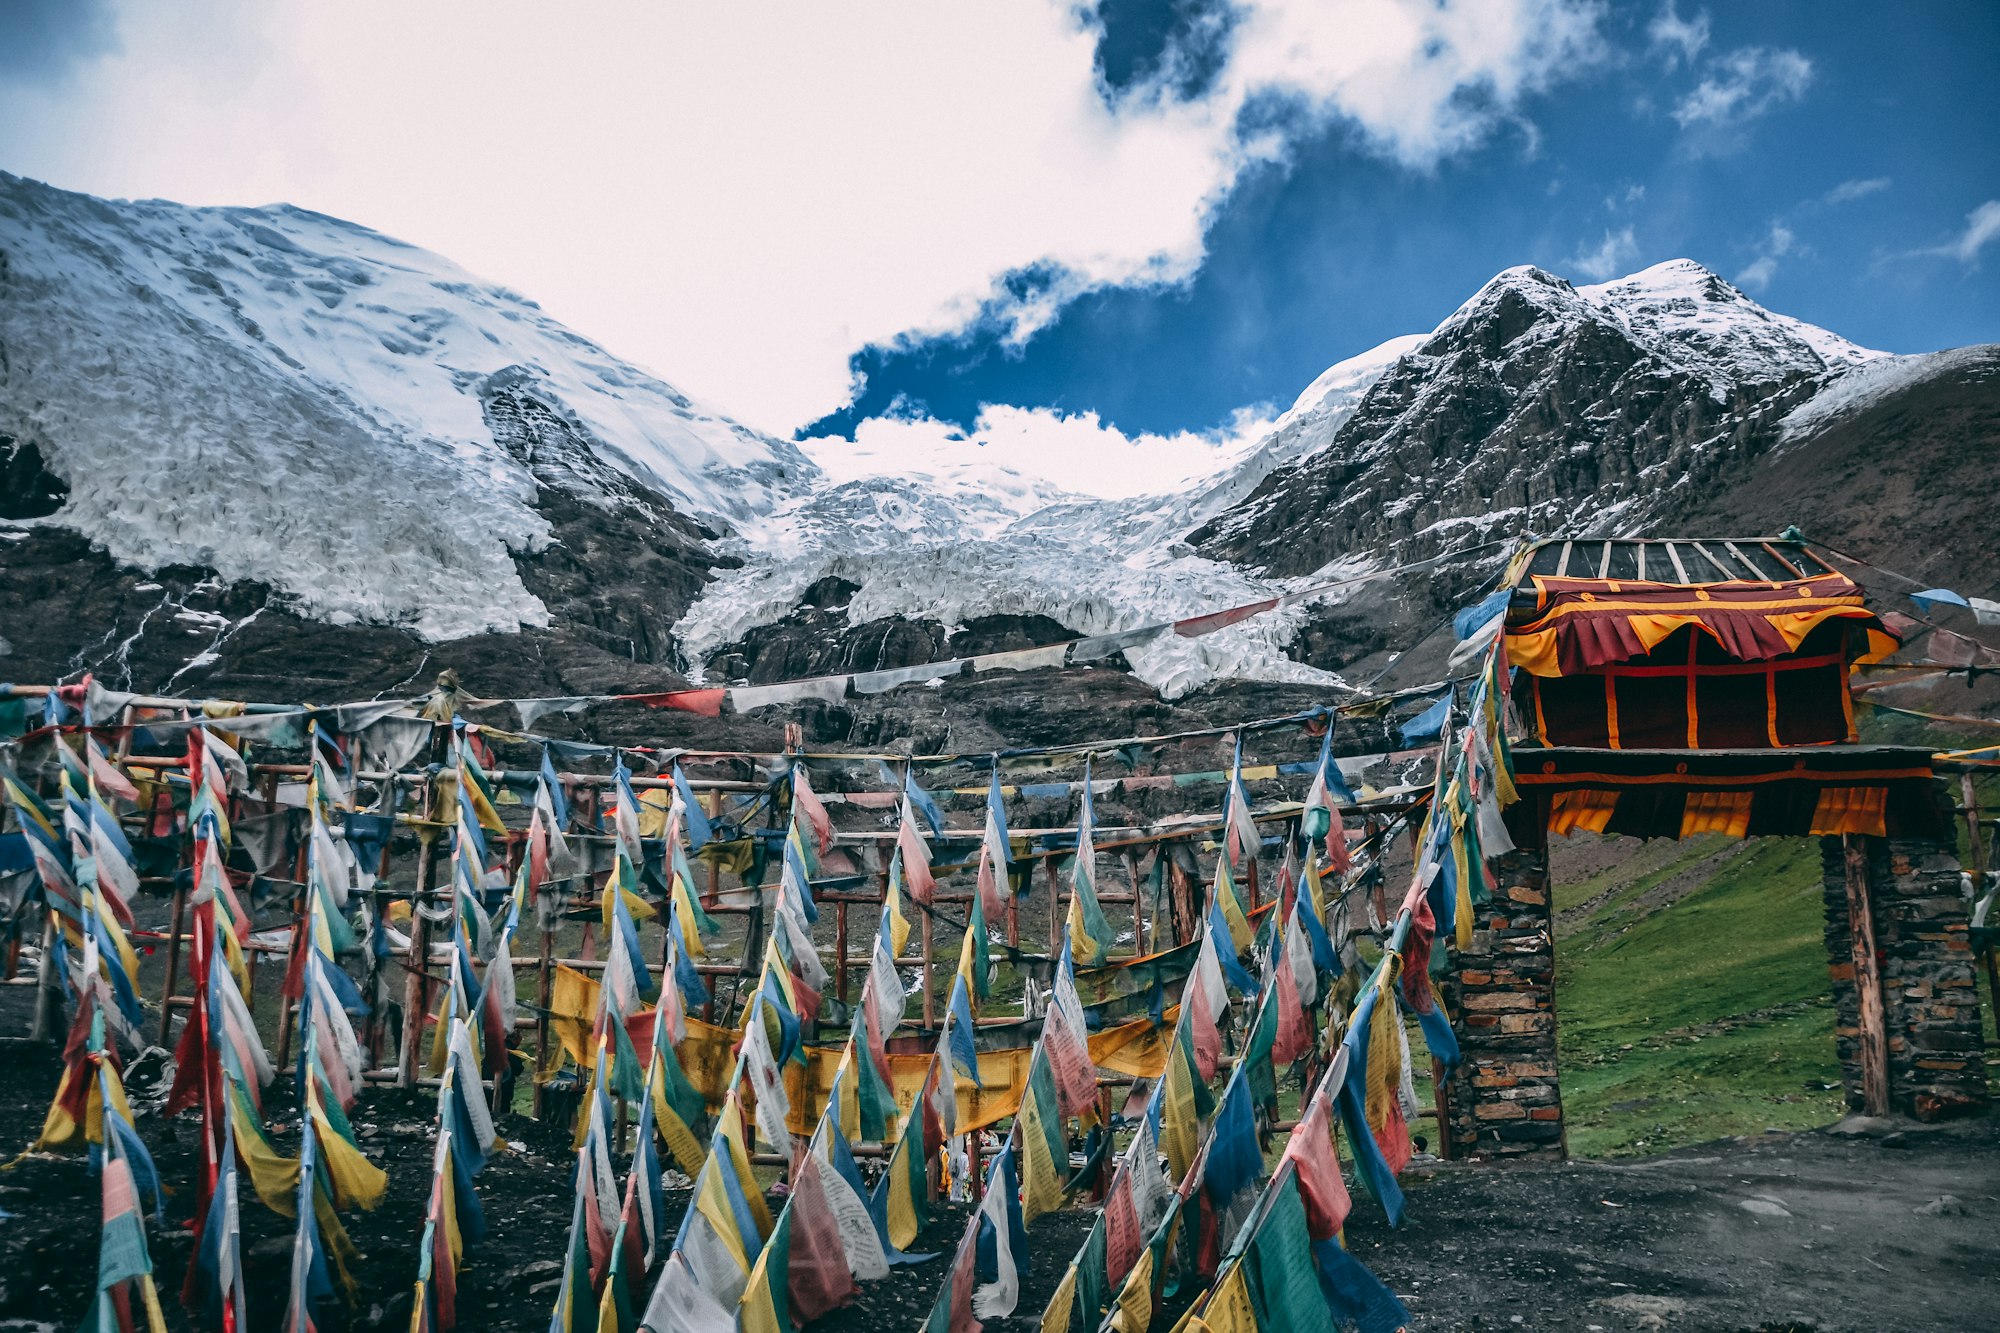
[299, 401]
[1700, 321]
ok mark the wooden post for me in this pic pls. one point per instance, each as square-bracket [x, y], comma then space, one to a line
[1013, 910]
[416, 986]
[295, 961]
[1055, 910]
[924, 937]
[180, 903]
[545, 970]
[1183, 907]
[1874, 1040]
[1971, 794]
[173, 964]
[1441, 1105]
[840, 950]
[1139, 946]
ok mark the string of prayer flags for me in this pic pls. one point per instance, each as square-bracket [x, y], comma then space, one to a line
[808, 806]
[1240, 835]
[124, 1267]
[452, 1215]
[1090, 934]
[914, 854]
[1321, 821]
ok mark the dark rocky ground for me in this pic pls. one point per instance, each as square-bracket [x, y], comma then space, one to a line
[1870, 1225]
[1873, 1225]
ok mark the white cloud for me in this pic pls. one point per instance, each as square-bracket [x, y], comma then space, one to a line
[1678, 39]
[1775, 245]
[1077, 452]
[1743, 85]
[1609, 258]
[1630, 197]
[741, 197]
[1982, 227]
[1848, 191]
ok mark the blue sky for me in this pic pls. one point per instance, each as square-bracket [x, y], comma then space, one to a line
[1066, 235]
[1831, 190]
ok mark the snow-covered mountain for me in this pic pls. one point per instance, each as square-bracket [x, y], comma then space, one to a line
[1541, 407]
[270, 453]
[287, 398]
[1528, 349]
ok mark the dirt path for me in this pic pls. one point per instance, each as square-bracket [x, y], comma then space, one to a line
[1821, 1231]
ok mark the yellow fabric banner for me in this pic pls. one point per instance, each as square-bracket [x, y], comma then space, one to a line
[1137, 1049]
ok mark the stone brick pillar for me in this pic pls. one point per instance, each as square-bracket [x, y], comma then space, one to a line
[1930, 997]
[1504, 1098]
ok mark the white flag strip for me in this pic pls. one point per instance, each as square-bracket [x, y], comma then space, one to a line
[858, 1236]
[679, 1305]
[465, 1068]
[712, 1269]
[996, 1299]
[1298, 957]
[1150, 1192]
[761, 1067]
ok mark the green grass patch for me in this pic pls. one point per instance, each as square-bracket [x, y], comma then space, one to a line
[1702, 1018]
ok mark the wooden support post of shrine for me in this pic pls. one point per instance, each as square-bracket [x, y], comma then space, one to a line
[1441, 1107]
[1874, 1040]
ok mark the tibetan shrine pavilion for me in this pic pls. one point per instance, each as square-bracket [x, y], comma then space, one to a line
[1667, 688]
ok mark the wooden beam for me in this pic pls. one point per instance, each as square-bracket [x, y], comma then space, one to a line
[1867, 979]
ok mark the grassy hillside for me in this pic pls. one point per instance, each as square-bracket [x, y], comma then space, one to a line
[1691, 992]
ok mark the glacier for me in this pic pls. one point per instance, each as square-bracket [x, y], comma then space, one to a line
[296, 400]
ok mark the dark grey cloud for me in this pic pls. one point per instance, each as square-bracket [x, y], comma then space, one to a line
[42, 41]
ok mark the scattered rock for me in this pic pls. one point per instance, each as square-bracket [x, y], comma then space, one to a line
[1764, 1207]
[1648, 1311]
[1945, 1205]
[530, 1269]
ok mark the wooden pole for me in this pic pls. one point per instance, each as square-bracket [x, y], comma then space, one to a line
[1055, 909]
[840, 951]
[1874, 1041]
[1185, 910]
[1139, 946]
[295, 958]
[1979, 880]
[416, 985]
[173, 964]
[546, 972]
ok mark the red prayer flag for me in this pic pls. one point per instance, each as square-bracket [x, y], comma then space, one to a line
[1312, 1154]
[817, 1279]
[707, 703]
